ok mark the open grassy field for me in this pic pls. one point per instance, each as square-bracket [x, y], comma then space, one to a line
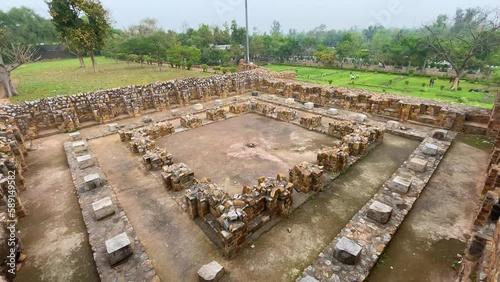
[62, 77]
[395, 84]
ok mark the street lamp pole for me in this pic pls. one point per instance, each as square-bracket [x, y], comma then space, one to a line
[248, 36]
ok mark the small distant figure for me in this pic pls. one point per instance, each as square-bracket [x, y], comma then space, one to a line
[357, 76]
[431, 82]
[351, 75]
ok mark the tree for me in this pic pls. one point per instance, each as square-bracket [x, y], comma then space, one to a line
[146, 27]
[469, 36]
[325, 55]
[83, 24]
[183, 56]
[276, 29]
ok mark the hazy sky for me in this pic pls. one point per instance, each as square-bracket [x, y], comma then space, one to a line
[299, 14]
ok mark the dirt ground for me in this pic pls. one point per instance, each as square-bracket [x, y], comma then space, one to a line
[435, 231]
[220, 150]
[178, 246]
[53, 233]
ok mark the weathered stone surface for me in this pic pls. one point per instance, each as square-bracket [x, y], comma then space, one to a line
[147, 119]
[79, 147]
[393, 125]
[118, 248]
[309, 105]
[361, 118]
[307, 279]
[400, 185]
[430, 149]
[211, 272]
[85, 161]
[333, 111]
[418, 165]
[218, 103]
[75, 136]
[198, 107]
[289, 101]
[379, 212]
[347, 251]
[113, 126]
[93, 181]
[103, 208]
[440, 134]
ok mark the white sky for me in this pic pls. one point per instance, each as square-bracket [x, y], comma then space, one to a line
[298, 14]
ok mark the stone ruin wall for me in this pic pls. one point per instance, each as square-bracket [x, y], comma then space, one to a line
[67, 113]
[240, 216]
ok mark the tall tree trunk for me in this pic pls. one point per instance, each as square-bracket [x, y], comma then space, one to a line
[424, 66]
[92, 58]
[5, 81]
[456, 81]
[82, 62]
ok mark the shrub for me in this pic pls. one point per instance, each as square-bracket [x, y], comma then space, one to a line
[463, 100]
[424, 84]
[441, 87]
[383, 90]
[390, 82]
[233, 69]
[459, 88]
[217, 68]
[224, 70]
[204, 67]
[423, 89]
[407, 82]
[411, 72]
[330, 81]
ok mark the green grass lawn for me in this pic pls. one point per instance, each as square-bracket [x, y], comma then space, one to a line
[62, 77]
[381, 82]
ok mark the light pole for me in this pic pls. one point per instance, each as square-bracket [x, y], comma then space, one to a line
[248, 36]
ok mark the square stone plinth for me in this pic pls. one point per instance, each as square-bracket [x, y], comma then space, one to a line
[400, 185]
[211, 272]
[393, 125]
[85, 161]
[333, 112]
[347, 251]
[118, 248]
[309, 105]
[79, 147]
[198, 107]
[75, 136]
[379, 212]
[103, 208]
[93, 181]
[113, 126]
[440, 134]
[430, 149]
[418, 165]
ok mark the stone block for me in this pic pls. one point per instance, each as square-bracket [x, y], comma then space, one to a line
[118, 248]
[418, 165]
[361, 118]
[147, 119]
[218, 103]
[400, 185]
[198, 107]
[308, 279]
[211, 272]
[75, 136]
[113, 127]
[309, 105]
[93, 181]
[347, 251]
[440, 134]
[85, 161]
[393, 125]
[289, 101]
[103, 208]
[333, 112]
[430, 149]
[79, 147]
[379, 212]
[174, 112]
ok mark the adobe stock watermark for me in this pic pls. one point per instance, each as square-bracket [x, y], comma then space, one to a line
[12, 242]
[223, 7]
[384, 16]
